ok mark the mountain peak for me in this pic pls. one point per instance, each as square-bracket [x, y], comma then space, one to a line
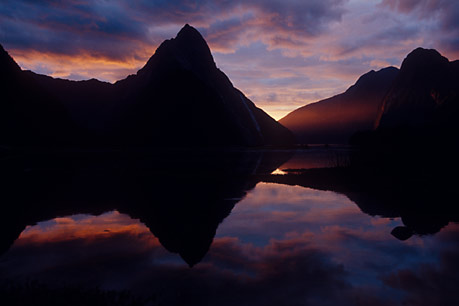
[372, 80]
[426, 84]
[189, 32]
[191, 47]
[423, 52]
[188, 48]
[421, 59]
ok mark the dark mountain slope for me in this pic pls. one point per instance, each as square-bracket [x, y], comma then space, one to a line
[425, 93]
[29, 114]
[89, 102]
[178, 98]
[336, 119]
[181, 88]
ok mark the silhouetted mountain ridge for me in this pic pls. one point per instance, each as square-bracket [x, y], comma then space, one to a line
[29, 114]
[336, 119]
[178, 98]
[181, 195]
[425, 93]
[189, 48]
[422, 99]
[7, 63]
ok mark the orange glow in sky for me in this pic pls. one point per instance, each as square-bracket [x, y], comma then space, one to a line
[86, 227]
[281, 54]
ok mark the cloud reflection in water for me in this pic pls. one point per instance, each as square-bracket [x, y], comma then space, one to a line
[281, 245]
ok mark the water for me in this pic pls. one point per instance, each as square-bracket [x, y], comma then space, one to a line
[252, 242]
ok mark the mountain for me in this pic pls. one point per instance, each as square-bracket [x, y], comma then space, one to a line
[415, 142]
[179, 98]
[180, 195]
[29, 114]
[425, 93]
[423, 204]
[336, 119]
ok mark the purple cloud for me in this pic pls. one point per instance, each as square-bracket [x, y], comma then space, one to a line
[427, 283]
[116, 28]
[442, 14]
[283, 54]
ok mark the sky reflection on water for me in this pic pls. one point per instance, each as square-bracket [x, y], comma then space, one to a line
[281, 245]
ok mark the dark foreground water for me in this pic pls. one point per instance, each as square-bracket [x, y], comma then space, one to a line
[273, 244]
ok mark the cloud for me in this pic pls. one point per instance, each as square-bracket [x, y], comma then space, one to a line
[111, 39]
[117, 28]
[232, 273]
[81, 227]
[441, 15]
[69, 28]
[282, 54]
[427, 283]
[76, 67]
[316, 248]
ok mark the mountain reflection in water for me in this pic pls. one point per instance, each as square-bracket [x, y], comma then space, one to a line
[270, 244]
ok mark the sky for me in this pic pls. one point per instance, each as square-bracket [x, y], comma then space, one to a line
[282, 54]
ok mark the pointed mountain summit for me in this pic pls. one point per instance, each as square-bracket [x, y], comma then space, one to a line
[179, 98]
[188, 48]
[336, 119]
[196, 100]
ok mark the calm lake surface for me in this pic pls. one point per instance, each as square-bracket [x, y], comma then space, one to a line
[275, 244]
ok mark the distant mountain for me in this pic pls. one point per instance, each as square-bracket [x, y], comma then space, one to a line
[179, 98]
[424, 94]
[336, 119]
[417, 132]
